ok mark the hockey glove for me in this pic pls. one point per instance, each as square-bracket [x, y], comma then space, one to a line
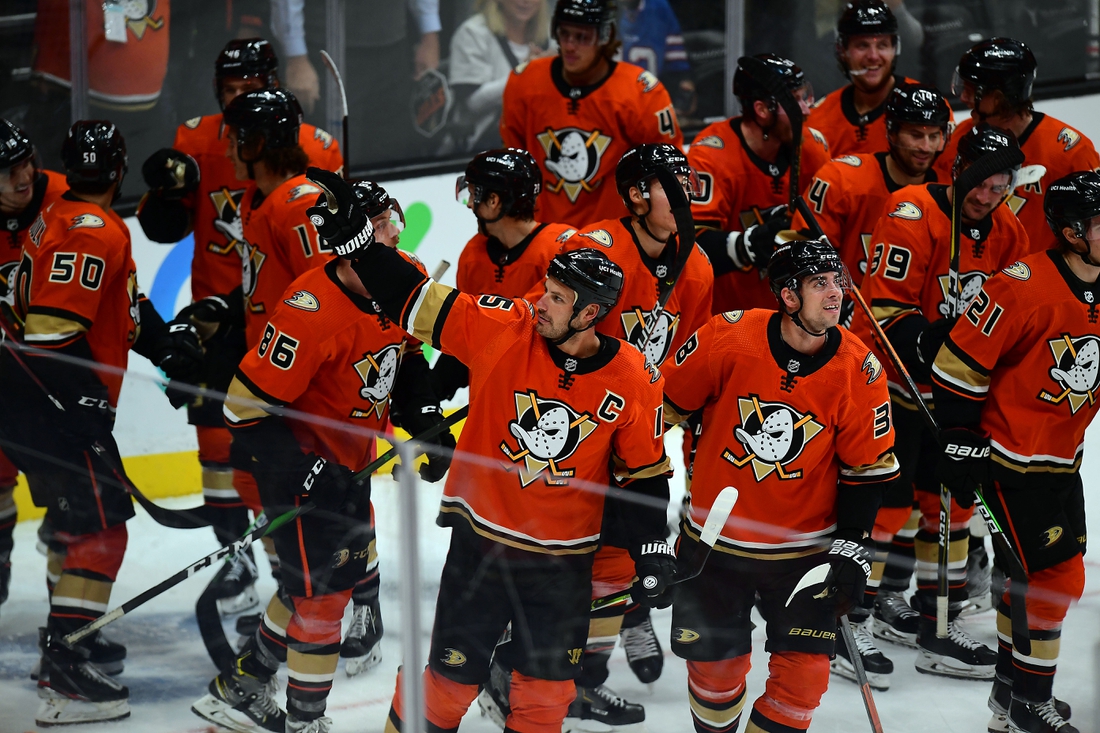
[325, 483]
[656, 569]
[963, 465]
[337, 216]
[177, 350]
[439, 450]
[931, 339]
[850, 567]
[760, 238]
[170, 173]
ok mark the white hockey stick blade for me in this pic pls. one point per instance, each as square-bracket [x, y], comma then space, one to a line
[440, 270]
[813, 576]
[1030, 174]
[339, 81]
[719, 515]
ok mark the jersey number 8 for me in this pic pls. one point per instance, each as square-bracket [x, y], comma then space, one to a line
[282, 352]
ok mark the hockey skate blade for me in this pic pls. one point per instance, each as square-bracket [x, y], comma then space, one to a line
[886, 632]
[841, 667]
[59, 710]
[216, 711]
[813, 576]
[240, 603]
[355, 666]
[583, 725]
[974, 606]
[941, 665]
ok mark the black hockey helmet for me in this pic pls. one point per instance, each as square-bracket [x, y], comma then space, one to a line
[599, 13]
[591, 275]
[748, 86]
[511, 173]
[998, 64]
[866, 18]
[94, 156]
[640, 164]
[799, 258]
[246, 58]
[15, 146]
[916, 104]
[1072, 202]
[981, 140]
[375, 200]
[271, 115]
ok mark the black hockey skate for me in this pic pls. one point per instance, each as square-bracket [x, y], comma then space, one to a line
[979, 574]
[235, 585]
[1001, 698]
[895, 620]
[643, 651]
[1035, 717]
[73, 690]
[108, 656]
[242, 703]
[959, 655]
[362, 648]
[602, 705]
[875, 663]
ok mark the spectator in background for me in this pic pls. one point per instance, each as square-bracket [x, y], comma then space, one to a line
[652, 39]
[502, 35]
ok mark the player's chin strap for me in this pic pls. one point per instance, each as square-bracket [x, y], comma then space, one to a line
[794, 316]
[1088, 246]
[571, 332]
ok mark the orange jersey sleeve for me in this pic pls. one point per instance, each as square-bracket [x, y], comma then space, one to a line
[486, 266]
[784, 428]
[578, 135]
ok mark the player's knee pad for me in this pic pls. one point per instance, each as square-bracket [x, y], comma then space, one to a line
[796, 682]
[1050, 592]
[246, 487]
[716, 693]
[889, 521]
[316, 619]
[538, 706]
[445, 701]
[722, 676]
[98, 552]
[612, 572]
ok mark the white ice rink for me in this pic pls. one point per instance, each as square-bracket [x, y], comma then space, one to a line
[168, 667]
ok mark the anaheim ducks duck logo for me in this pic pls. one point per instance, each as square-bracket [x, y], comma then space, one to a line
[1076, 370]
[305, 189]
[132, 292]
[7, 282]
[773, 435]
[548, 432]
[252, 261]
[378, 372]
[971, 283]
[91, 221]
[573, 155]
[227, 219]
[138, 18]
[660, 338]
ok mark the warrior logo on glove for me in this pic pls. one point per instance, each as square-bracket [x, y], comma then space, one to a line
[573, 156]
[773, 435]
[548, 432]
[378, 372]
[634, 325]
[1076, 370]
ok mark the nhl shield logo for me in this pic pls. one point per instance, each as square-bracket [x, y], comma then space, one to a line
[548, 432]
[378, 372]
[1076, 370]
[660, 338]
[573, 156]
[773, 435]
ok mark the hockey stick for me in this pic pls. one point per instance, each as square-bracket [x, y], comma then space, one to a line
[761, 73]
[331, 65]
[1021, 639]
[440, 270]
[861, 673]
[719, 514]
[262, 530]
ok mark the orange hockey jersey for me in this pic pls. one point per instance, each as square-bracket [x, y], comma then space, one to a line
[910, 261]
[486, 266]
[547, 432]
[1048, 142]
[127, 74]
[215, 204]
[787, 430]
[47, 188]
[735, 180]
[77, 266]
[321, 354]
[577, 134]
[847, 197]
[1026, 357]
[279, 244]
[688, 306]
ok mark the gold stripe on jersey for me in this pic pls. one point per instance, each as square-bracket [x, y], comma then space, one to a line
[886, 468]
[673, 414]
[886, 311]
[960, 375]
[52, 327]
[457, 506]
[427, 311]
[242, 405]
[625, 473]
[812, 546]
[1035, 464]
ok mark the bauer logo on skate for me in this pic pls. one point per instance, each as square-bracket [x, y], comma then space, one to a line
[773, 435]
[660, 338]
[378, 372]
[573, 156]
[548, 432]
[1076, 370]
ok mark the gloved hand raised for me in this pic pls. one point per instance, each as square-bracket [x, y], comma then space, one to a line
[337, 216]
[170, 173]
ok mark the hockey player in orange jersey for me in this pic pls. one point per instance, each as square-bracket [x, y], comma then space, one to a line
[744, 170]
[579, 111]
[1015, 379]
[848, 193]
[530, 366]
[796, 416]
[995, 80]
[338, 364]
[909, 293]
[509, 254]
[853, 118]
[193, 188]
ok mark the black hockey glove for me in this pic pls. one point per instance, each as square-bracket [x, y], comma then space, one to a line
[930, 340]
[963, 465]
[212, 309]
[655, 565]
[177, 350]
[325, 483]
[760, 238]
[850, 567]
[337, 216]
[170, 173]
[439, 450]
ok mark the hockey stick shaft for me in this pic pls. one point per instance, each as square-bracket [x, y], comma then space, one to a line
[331, 65]
[861, 673]
[454, 417]
[685, 239]
[440, 270]
[719, 514]
[1020, 637]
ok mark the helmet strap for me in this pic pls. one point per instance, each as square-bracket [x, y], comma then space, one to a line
[645, 226]
[794, 316]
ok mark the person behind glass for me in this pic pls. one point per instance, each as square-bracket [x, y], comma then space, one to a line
[502, 35]
[653, 40]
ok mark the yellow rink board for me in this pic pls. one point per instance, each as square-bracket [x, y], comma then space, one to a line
[162, 475]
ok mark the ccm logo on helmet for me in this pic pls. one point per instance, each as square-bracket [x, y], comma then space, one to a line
[966, 451]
